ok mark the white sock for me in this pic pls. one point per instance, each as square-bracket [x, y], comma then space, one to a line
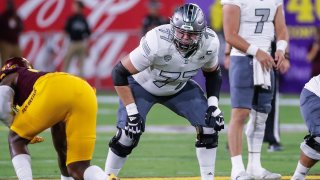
[114, 163]
[254, 163]
[22, 166]
[206, 159]
[255, 133]
[94, 173]
[237, 165]
[301, 170]
[66, 178]
[255, 130]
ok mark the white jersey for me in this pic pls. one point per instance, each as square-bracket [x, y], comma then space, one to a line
[163, 71]
[256, 22]
[314, 85]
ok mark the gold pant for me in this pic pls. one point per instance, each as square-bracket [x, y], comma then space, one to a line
[61, 97]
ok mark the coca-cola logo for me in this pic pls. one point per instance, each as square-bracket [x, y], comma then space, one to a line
[115, 26]
[100, 13]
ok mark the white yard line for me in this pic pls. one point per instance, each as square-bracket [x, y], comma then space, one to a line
[154, 129]
[223, 101]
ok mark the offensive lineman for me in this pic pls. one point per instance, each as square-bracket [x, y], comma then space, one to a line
[61, 101]
[162, 67]
[310, 111]
[250, 26]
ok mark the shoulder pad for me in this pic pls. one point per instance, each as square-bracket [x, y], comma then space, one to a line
[156, 39]
[211, 40]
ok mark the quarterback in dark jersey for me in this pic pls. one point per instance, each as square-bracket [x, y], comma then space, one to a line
[58, 100]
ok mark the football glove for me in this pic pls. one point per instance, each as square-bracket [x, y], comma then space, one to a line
[134, 126]
[214, 118]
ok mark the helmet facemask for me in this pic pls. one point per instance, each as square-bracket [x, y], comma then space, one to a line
[186, 41]
[188, 25]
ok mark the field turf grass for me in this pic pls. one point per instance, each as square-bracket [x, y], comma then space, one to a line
[159, 155]
[168, 156]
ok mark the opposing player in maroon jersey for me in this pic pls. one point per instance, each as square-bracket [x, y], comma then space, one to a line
[58, 100]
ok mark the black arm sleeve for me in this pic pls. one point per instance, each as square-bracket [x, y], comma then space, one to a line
[120, 75]
[213, 82]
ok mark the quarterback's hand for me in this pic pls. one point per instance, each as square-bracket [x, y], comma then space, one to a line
[266, 61]
[134, 126]
[214, 118]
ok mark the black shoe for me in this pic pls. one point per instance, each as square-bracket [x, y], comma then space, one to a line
[275, 147]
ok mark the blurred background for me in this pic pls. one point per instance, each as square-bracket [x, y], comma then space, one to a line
[117, 26]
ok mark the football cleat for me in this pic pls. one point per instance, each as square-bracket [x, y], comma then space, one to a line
[37, 139]
[297, 177]
[275, 147]
[242, 176]
[264, 174]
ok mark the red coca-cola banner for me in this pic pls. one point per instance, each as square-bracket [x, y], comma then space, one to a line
[116, 31]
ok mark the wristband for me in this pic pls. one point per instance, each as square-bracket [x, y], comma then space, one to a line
[131, 109]
[252, 50]
[213, 101]
[282, 45]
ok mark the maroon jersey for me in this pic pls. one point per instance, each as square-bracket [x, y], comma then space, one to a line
[26, 79]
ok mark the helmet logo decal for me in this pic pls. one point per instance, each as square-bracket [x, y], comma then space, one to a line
[187, 27]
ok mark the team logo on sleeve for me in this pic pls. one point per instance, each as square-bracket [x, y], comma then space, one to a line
[167, 58]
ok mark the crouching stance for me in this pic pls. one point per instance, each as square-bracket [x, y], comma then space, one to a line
[159, 70]
[310, 111]
[61, 101]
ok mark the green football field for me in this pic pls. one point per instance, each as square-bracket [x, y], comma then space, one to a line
[161, 154]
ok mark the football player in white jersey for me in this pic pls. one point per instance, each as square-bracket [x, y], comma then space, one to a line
[249, 27]
[162, 67]
[310, 111]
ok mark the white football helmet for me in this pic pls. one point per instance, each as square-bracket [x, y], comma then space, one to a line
[188, 25]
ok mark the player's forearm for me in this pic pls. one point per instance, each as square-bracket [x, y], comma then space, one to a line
[213, 82]
[237, 42]
[227, 49]
[280, 25]
[125, 94]
[282, 34]
[282, 38]
[231, 25]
